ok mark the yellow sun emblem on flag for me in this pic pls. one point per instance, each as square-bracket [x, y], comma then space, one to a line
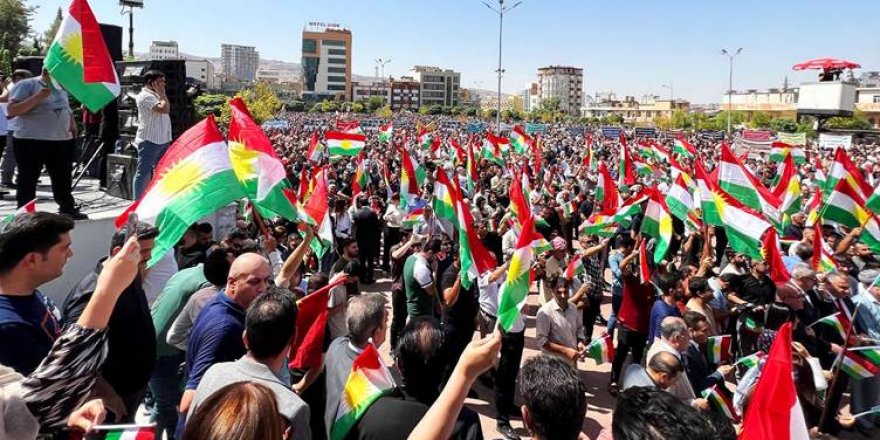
[244, 160]
[73, 46]
[180, 177]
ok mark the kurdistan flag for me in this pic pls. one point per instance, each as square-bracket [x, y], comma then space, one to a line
[386, 132]
[27, 208]
[842, 168]
[411, 177]
[845, 206]
[606, 190]
[657, 223]
[343, 144]
[257, 166]
[515, 289]
[744, 226]
[707, 187]
[474, 257]
[519, 139]
[742, 185]
[368, 381]
[193, 179]
[679, 199]
[79, 61]
[683, 148]
[316, 212]
[123, 432]
[443, 201]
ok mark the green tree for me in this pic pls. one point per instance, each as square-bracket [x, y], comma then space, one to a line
[261, 101]
[210, 105]
[759, 120]
[681, 120]
[490, 113]
[296, 106]
[329, 106]
[550, 104]
[472, 112]
[15, 17]
[423, 110]
[856, 122]
[375, 103]
[50, 33]
[385, 112]
[358, 107]
[435, 110]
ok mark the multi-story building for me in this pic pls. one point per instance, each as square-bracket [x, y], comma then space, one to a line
[776, 102]
[239, 61]
[365, 91]
[201, 71]
[405, 94]
[565, 83]
[868, 97]
[326, 61]
[276, 76]
[634, 111]
[164, 50]
[530, 97]
[438, 86]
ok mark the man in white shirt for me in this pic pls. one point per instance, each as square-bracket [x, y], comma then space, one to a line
[154, 129]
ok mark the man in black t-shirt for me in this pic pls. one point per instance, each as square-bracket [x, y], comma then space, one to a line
[459, 307]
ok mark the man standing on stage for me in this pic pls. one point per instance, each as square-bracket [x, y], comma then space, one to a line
[154, 129]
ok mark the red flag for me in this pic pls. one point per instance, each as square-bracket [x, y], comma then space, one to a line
[644, 263]
[311, 320]
[770, 250]
[774, 411]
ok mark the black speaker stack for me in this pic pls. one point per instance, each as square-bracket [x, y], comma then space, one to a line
[120, 175]
[131, 77]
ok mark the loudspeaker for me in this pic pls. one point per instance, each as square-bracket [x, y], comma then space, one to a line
[31, 63]
[120, 175]
[113, 39]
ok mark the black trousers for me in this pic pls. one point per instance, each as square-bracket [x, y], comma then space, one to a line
[57, 156]
[512, 345]
[627, 341]
[590, 313]
[398, 314]
[368, 265]
[392, 237]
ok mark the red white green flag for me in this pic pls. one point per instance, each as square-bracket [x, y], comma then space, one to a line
[444, 198]
[316, 149]
[79, 61]
[359, 181]
[193, 179]
[679, 199]
[386, 133]
[844, 205]
[741, 184]
[838, 322]
[601, 349]
[411, 177]
[424, 139]
[683, 148]
[515, 289]
[707, 188]
[27, 208]
[368, 381]
[657, 223]
[257, 166]
[718, 349]
[857, 365]
[822, 260]
[520, 140]
[123, 432]
[475, 259]
[744, 226]
[720, 399]
[343, 144]
[842, 168]
[626, 175]
[315, 211]
[575, 267]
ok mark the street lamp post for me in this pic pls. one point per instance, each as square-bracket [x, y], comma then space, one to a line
[381, 63]
[500, 10]
[730, 56]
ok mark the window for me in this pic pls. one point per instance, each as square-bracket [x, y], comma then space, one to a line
[339, 87]
[876, 99]
[336, 60]
[336, 79]
[335, 69]
[336, 43]
[336, 51]
[309, 45]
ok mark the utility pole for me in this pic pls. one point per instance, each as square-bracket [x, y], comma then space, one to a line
[500, 10]
[130, 4]
[730, 55]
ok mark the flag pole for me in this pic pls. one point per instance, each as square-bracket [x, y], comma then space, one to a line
[827, 422]
[258, 219]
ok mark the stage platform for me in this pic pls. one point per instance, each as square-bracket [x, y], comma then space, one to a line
[92, 200]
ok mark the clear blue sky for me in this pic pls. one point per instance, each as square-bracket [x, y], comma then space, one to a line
[629, 46]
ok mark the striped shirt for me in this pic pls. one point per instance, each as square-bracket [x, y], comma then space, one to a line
[153, 126]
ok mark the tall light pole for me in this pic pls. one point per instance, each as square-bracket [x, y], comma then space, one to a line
[500, 10]
[730, 56]
[130, 4]
[381, 63]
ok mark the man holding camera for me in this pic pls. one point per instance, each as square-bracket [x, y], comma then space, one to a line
[154, 129]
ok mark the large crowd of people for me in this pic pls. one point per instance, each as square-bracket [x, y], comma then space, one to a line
[207, 338]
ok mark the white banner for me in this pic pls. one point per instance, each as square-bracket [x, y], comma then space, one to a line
[796, 139]
[832, 141]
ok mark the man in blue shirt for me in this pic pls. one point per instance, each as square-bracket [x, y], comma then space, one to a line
[217, 334]
[34, 248]
[669, 288]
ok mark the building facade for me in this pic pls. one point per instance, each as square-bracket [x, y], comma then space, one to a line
[531, 98]
[326, 62]
[438, 86]
[164, 50]
[405, 94]
[632, 110]
[365, 91]
[203, 72]
[239, 61]
[565, 83]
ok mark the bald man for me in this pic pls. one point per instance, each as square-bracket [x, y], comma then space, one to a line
[664, 369]
[217, 333]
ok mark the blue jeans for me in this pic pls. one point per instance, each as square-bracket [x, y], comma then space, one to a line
[167, 388]
[616, 302]
[148, 156]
